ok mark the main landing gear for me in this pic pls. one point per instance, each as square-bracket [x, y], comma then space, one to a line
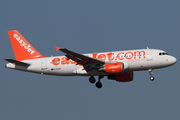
[93, 80]
[150, 73]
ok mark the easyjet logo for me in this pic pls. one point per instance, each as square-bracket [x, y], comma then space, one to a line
[136, 55]
[56, 61]
[23, 44]
[120, 56]
[112, 67]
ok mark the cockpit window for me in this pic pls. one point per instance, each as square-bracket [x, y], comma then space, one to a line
[163, 53]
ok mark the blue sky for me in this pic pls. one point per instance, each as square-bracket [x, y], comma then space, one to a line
[84, 27]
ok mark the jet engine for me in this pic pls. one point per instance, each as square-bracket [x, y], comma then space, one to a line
[122, 77]
[114, 68]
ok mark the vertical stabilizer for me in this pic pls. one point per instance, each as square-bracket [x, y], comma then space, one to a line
[23, 50]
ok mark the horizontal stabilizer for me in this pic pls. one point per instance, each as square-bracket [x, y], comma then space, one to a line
[17, 62]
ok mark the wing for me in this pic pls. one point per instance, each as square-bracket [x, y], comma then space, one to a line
[81, 59]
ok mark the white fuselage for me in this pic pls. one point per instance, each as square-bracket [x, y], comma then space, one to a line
[134, 60]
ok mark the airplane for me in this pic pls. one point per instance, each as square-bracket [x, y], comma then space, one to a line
[115, 65]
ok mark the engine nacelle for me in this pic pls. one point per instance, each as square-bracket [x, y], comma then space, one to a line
[114, 68]
[122, 77]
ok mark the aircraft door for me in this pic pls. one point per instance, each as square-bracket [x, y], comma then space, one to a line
[43, 64]
[149, 55]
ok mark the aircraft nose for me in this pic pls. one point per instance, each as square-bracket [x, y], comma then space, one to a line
[173, 60]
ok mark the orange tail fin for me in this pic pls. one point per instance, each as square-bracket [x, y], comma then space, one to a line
[21, 47]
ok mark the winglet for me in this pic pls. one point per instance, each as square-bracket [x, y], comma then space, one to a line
[57, 48]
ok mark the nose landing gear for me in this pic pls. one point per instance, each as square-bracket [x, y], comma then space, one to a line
[150, 73]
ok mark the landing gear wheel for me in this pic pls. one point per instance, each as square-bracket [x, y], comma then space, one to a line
[152, 78]
[92, 79]
[150, 73]
[98, 84]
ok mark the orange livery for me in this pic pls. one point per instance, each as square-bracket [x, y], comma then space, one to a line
[115, 65]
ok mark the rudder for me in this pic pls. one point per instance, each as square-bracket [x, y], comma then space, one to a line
[23, 50]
